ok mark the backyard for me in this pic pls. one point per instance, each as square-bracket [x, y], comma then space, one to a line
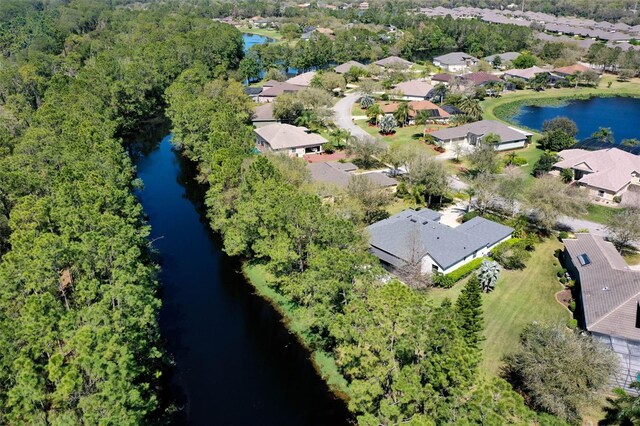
[520, 297]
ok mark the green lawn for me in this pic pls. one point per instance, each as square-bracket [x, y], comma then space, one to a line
[520, 297]
[409, 135]
[599, 213]
[265, 32]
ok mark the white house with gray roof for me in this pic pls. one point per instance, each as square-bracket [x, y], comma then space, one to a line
[609, 299]
[418, 236]
[471, 134]
[455, 62]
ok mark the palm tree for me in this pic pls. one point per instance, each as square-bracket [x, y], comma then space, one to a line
[469, 192]
[604, 134]
[488, 275]
[495, 87]
[373, 112]
[471, 107]
[423, 116]
[631, 142]
[340, 138]
[510, 158]
[308, 119]
[440, 90]
[402, 113]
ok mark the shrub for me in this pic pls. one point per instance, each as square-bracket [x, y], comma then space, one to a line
[561, 272]
[443, 281]
[572, 306]
[563, 235]
[557, 253]
[469, 215]
[511, 254]
[466, 270]
[617, 199]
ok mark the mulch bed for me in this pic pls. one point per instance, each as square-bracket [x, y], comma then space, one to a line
[564, 297]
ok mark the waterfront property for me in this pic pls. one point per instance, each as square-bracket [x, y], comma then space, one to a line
[287, 139]
[609, 298]
[571, 70]
[456, 62]
[606, 173]
[339, 174]
[473, 133]
[442, 78]
[303, 80]
[418, 237]
[525, 74]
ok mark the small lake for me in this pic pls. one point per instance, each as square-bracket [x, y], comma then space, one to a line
[620, 114]
[253, 39]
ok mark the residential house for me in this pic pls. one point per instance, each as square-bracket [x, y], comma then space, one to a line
[571, 70]
[471, 134]
[456, 62]
[418, 237]
[287, 139]
[253, 92]
[443, 78]
[303, 80]
[505, 58]
[480, 79]
[394, 62]
[275, 89]
[438, 114]
[525, 74]
[344, 68]
[263, 115]
[340, 174]
[414, 90]
[606, 173]
[608, 299]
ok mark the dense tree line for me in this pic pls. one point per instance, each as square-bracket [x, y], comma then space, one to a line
[404, 358]
[79, 339]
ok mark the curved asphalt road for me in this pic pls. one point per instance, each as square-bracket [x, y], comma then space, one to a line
[342, 115]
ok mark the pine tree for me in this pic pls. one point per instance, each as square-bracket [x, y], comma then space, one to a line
[469, 312]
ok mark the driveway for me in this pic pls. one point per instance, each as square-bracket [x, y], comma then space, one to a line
[342, 115]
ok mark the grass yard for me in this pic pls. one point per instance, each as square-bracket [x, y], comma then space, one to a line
[265, 32]
[599, 213]
[520, 297]
[409, 135]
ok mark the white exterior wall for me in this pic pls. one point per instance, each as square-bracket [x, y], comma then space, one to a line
[628, 352]
[291, 152]
[427, 262]
[448, 143]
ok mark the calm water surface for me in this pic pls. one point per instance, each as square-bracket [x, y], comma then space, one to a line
[235, 362]
[622, 115]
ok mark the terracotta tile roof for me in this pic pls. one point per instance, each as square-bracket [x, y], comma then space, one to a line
[572, 69]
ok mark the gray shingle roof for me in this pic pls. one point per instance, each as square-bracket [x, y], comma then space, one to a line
[392, 239]
[609, 290]
[336, 173]
[481, 128]
[505, 57]
[344, 68]
[455, 58]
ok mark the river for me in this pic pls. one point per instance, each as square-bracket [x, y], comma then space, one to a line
[235, 361]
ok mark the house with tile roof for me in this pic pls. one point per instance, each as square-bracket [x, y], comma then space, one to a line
[525, 74]
[571, 70]
[418, 236]
[505, 58]
[438, 114]
[303, 80]
[606, 173]
[608, 299]
[263, 115]
[473, 133]
[287, 139]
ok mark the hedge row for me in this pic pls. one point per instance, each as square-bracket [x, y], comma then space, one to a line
[448, 280]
